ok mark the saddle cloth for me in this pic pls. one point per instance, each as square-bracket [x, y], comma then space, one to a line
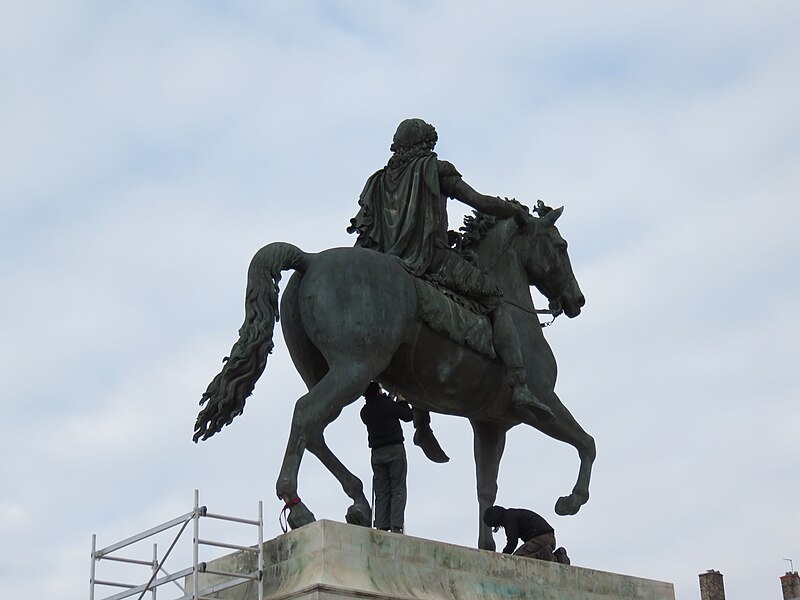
[460, 319]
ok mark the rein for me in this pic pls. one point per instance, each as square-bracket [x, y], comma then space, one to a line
[502, 251]
[536, 311]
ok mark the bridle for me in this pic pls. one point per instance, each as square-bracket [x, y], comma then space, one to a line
[556, 312]
[535, 311]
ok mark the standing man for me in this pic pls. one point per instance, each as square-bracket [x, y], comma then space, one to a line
[538, 537]
[382, 417]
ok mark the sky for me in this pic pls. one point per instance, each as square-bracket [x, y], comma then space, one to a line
[148, 149]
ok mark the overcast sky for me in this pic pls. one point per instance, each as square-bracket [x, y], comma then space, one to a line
[148, 149]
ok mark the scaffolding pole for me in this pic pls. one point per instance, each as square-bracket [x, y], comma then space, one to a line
[156, 565]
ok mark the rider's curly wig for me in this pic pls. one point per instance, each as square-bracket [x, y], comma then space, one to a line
[414, 138]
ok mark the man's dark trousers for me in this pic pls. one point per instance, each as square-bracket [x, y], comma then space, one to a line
[389, 485]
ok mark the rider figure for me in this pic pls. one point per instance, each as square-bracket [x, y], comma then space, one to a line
[404, 213]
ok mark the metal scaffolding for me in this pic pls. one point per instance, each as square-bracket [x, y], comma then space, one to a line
[156, 565]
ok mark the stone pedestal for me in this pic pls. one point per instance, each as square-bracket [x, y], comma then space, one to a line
[328, 560]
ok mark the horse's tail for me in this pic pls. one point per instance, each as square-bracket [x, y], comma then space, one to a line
[226, 394]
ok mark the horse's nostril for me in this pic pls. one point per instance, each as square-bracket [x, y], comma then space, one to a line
[581, 300]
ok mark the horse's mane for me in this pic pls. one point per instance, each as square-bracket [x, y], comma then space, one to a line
[474, 230]
[478, 225]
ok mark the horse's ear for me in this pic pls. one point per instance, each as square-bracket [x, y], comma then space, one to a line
[551, 217]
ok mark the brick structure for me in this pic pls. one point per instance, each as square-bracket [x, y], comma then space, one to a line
[790, 584]
[711, 585]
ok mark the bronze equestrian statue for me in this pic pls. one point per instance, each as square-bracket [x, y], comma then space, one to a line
[454, 330]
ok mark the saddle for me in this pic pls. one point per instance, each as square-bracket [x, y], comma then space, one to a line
[461, 319]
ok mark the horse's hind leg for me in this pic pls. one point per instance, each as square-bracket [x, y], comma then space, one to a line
[489, 443]
[313, 412]
[565, 428]
[359, 513]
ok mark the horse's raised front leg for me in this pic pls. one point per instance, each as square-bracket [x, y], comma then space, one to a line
[313, 412]
[489, 443]
[565, 428]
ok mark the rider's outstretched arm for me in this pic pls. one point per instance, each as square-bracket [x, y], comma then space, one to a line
[491, 205]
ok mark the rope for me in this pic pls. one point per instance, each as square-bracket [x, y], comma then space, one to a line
[283, 520]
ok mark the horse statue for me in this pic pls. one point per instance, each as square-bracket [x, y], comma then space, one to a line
[352, 315]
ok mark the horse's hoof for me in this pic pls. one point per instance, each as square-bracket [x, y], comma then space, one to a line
[299, 515]
[570, 505]
[359, 515]
[487, 544]
[565, 506]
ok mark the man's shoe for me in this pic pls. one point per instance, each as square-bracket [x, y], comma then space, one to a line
[397, 530]
[523, 399]
[561, 555]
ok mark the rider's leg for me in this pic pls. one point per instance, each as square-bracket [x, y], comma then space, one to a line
[506, 343]
[465, 278]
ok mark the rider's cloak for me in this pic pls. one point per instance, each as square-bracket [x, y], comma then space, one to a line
[404, 213]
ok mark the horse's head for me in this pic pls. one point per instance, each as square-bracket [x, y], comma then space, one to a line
[543, 254]
[518, 256]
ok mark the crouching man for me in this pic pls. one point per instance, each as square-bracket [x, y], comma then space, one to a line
[538, 537]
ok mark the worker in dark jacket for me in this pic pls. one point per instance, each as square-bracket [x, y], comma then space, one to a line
[537, 535]
[382, 416]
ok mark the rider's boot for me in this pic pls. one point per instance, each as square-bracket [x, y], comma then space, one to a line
[523, 400]
[506, 343]
[424, 438]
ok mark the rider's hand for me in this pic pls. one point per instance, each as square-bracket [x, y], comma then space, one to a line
[521, 213]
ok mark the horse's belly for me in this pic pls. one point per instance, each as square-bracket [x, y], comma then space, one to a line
[436, 374]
